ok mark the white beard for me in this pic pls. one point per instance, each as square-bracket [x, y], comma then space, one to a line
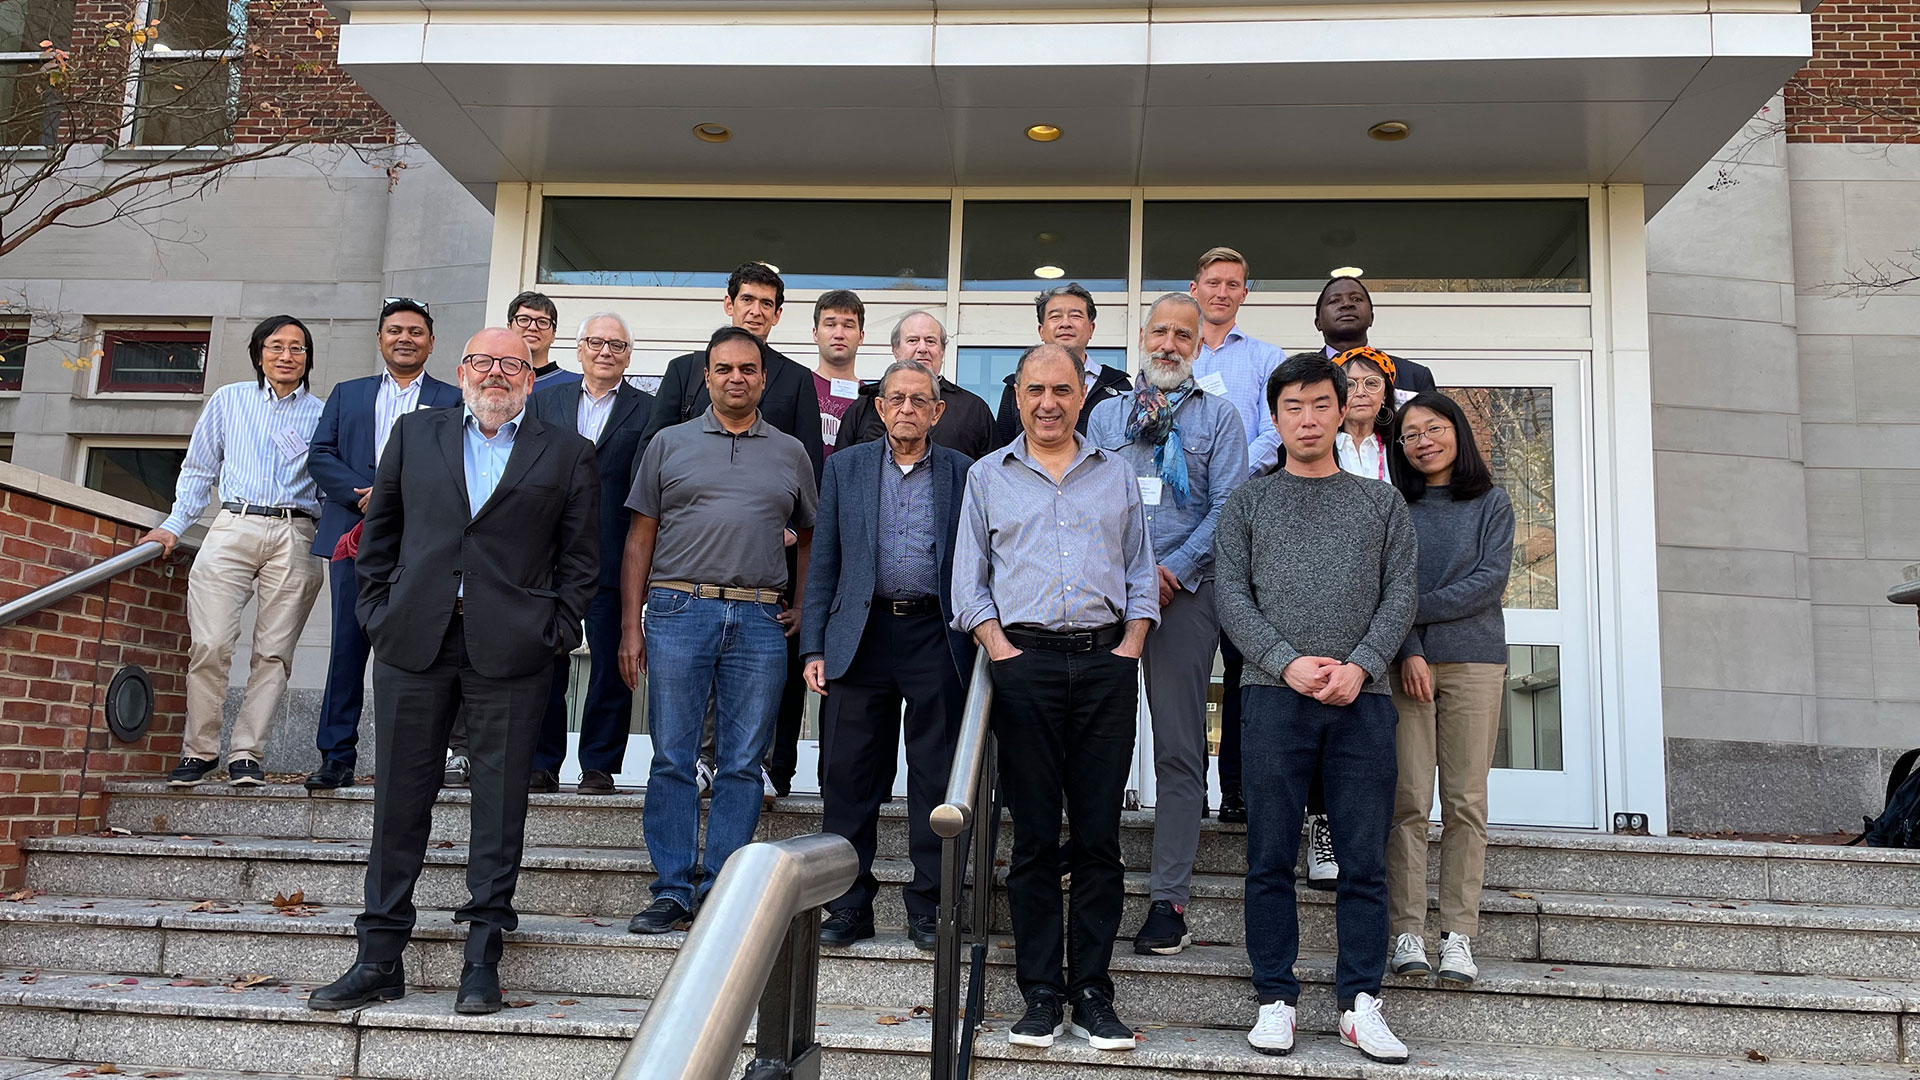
[492, 413]
[1161, 377]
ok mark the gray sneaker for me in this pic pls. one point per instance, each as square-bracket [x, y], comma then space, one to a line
[459, 771]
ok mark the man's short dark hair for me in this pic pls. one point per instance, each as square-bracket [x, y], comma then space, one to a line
[844, 300]
[757, 273]
[540, 302]
[1306, 369]
[268, 327]
[729, 333]
[1079, 365]
[399, 304]
[1071, 288]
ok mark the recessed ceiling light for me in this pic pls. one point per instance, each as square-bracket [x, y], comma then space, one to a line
[1048, 272]
[1043, 133]
[1345, 271]
[1389, 131]
[715, 133]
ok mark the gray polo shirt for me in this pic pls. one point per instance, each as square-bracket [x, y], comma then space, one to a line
[723, 501]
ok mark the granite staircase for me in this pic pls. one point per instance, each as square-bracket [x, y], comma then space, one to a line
[181, 944]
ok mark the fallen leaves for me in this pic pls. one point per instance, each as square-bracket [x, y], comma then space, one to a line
[211, 907]
[519, 1004]
[250, 980]
[1521, 895]
[30, 978]
[888, 1020]
[919, 1011]
[556, 1016]
[443, 844]
[568, 1001]
[160, 1074]
[1755, 1055]
[189, 982]
[20, 896]
[283, 901]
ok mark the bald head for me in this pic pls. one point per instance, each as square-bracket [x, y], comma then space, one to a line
[494, 394]
[498, 341]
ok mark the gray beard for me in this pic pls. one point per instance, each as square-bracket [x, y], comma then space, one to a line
[1161, 377]
[489, 414]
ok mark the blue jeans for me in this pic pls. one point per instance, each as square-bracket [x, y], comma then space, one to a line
[735, 652]
[1285, 739]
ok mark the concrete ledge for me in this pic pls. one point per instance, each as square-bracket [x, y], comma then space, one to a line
[61, 493]
[1774, 787]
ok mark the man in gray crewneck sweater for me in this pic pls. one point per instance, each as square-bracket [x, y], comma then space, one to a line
[1316, 583]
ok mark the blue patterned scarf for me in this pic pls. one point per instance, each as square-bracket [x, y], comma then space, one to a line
[1152, 417]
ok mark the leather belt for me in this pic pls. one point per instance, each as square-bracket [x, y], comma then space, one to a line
[721, 592]
[265, 511]
[1066, 641]
[919, 605]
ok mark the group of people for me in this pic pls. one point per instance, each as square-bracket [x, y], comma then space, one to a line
[757, 529]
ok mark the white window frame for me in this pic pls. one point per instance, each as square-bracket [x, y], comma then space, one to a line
[96, 341]
[140, 55]
[35, 57]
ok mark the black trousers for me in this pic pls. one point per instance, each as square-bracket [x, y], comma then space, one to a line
[413, 714]
[1065, 724]
[1232, 708]
[901, 657]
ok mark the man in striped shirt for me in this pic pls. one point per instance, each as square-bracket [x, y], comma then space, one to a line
[252, 441]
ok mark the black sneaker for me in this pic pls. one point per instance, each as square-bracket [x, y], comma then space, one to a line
[843, 928]
[245, 772]
[1094, 1020]
[1165, 931]
[923, 931]
[1233, 809]
[192, 771]
[661, 916]
[1045, 1018]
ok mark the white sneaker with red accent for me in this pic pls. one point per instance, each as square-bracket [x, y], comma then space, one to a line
[1365, 1029]
[1273, 1032]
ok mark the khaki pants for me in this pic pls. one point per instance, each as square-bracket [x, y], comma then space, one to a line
[244, 555]
[1454, 732]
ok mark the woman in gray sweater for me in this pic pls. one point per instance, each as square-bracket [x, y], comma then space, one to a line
[1449, 680]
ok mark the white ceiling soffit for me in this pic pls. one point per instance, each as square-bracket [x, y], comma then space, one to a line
[1634, 98]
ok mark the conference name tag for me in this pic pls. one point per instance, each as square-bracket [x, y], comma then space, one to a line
[846, 388]
[1150, 490]
[1214, 384]
[290, 444]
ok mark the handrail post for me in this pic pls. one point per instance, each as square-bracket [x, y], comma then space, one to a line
[784, 1046]
[951, 820]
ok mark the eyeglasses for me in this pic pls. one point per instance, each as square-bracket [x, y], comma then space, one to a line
[613, 345]
[482, 363]
[533, 322]
[421, 304]
[283, 350]
[920, 402]
[1431, 431]
[1372, 384]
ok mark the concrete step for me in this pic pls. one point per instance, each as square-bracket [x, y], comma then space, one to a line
[28, 1069]
[1606, 1007]
[1523, 859]
[95, 1018]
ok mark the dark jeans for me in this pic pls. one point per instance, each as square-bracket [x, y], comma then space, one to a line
[1232, 709]
[1065, 724]
[1286, 735]
[900, 657]
[337, 736]
[608, 708]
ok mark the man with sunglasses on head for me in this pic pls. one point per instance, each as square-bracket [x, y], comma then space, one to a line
[533, 316]
[353, 431]
[478, 557]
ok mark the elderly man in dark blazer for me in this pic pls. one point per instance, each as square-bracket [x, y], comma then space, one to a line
[480, 550]
[874, 631]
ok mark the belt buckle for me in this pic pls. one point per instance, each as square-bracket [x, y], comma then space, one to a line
[707, 592]
[900, 607]
[1082, 641]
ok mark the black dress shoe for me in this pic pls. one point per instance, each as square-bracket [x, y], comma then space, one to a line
[479, 989]
[923, 931]
[595, 782]
[542, 782]
[330, 775]
[363, 984]
[1233, 809]
[843, 928]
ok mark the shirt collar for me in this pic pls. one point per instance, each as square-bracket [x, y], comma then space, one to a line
[907, 470]
[1017, 451]
[509, 429]
[602, 399]
[267, 395]
[710, 421]
[387, 379]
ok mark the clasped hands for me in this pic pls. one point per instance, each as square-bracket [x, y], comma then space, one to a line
[1326, 680]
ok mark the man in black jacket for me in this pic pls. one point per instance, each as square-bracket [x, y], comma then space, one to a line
[1343, 316]
[967, 423]
[478, 554]
[1066, 315]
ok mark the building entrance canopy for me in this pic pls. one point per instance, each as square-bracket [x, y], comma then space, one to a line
[932, 93]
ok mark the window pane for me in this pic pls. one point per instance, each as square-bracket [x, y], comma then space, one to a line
[141, 475]
[815, 243]
[154, 362]
[983, 369]
[1027, 246]
[1455, 245]
[28, 116]
[1529, 735]
[24, 24]
[1514, 427]
[13, 360]
[6, 451]
[197, 24]
[184, 103]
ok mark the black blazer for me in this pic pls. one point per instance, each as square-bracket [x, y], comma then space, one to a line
[789, 402]
[341, 457]
[1412, 375]
[966, 426]
[530, 558]
[616, 456]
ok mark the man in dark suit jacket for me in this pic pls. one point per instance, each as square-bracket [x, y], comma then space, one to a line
[479, 554]
[609, 411]
[874, 629]
[353, 431]
[966, 422]
[1343, 316]
[1066, 316]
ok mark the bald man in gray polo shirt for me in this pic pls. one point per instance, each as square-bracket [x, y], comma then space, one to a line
[705, 555]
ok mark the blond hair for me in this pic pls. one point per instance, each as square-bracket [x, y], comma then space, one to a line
[1222, 254]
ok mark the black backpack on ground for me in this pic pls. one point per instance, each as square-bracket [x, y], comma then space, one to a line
[1898, 826]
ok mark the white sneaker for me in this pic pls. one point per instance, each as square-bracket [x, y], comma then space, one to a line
[458, 771]
[1322, 871]
[1273, 1032]
[1456, 959]
[767, 791]
[1363, 1028]
[1409, 956]
[703, 779]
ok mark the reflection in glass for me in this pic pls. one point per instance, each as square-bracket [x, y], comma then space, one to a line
[1530, 710]
[1514, 427]
[1028, 246]
[983, 369]
[13, 358]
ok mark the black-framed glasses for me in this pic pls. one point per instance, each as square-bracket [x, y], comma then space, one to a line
[614, 345]
[421, 304]
[483, 363]
[1431, 431]
[533, 322]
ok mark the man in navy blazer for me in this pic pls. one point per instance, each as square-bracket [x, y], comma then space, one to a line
[611, 413]
[874, 630]
[359, 415]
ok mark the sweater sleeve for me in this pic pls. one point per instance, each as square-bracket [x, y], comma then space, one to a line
[1482, 586]
[1399, 592]
[1240, 616]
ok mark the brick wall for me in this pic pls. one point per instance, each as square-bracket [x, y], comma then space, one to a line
[1863, 83]
[55, 750]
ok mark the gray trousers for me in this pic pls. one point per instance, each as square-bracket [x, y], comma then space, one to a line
[1178, 663]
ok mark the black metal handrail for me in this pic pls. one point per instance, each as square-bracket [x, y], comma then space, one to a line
[79, 581]
[972, 802]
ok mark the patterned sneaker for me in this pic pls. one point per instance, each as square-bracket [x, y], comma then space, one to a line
[192, 771]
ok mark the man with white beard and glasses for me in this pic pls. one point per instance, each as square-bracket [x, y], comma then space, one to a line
[1189, 451]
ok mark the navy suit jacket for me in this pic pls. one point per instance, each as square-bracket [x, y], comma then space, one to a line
[341, 457]
[616, 455]
[846, 552]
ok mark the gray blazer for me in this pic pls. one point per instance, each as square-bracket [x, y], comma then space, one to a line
[846, 553]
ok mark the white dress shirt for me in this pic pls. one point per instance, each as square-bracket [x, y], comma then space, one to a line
[391, 403]
[591, 420]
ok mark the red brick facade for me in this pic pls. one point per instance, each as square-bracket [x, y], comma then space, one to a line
[1863, 83]
[55, 750]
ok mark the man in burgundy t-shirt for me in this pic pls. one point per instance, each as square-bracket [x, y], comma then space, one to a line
[839, 326]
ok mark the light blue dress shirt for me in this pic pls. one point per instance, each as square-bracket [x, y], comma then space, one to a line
[1216, 464]
[1243, 364]
[486, 458]
[254, 445]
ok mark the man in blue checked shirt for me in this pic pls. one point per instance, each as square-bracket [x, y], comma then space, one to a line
[252, 440]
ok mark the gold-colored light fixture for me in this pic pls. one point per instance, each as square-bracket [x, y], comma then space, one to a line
[1345, 271]
[1043, 133]
[1049, 272]
[713, 133]
[1390, 131]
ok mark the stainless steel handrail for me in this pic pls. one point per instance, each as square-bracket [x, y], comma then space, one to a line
[79, 581]
[955, 815]
[970, 804]
[698, 1020]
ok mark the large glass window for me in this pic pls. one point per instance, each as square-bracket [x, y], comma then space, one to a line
[27, 113]
[1452, 245]
[1530, 736]
[153, 361]
[1026, 246]
[188, 84]
[814, 243]
[144, 474]
[983, 369]
[1513, 426]
[13, 358]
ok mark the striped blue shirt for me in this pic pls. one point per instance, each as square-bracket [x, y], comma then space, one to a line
[391, 402]
[1243, 364]
[1071, 555]
[254, 446]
